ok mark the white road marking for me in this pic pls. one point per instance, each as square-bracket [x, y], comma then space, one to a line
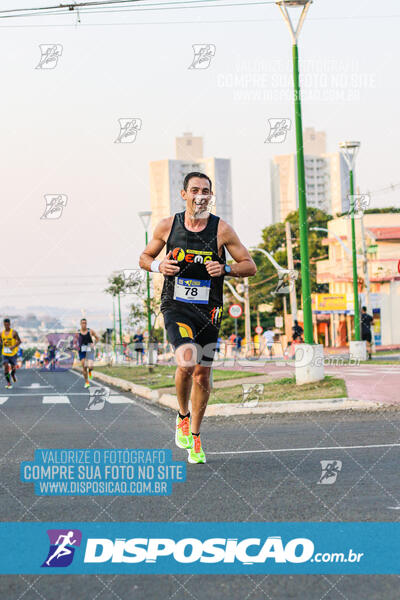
[140, 405]
[56, 400]
[362, 374]
[271, 451]
[394, 507]
[28, 395]
[118, 399]
[35, 386]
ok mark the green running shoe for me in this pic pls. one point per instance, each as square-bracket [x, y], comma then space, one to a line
[196, 454]
[183, 435]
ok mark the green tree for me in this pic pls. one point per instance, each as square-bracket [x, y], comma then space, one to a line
[264, 283]
[28, 353]
[135, 286]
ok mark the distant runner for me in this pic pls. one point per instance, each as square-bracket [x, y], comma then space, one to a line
[192, 297]
[9, 350]
[51, 356]
[366, 321]
[268, 337]
[297, 332]
[85, 343]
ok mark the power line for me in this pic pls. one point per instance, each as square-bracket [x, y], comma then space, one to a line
[198, 22]
[70, 6]
[107, 7]
[390, 188]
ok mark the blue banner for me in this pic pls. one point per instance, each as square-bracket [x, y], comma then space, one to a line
[203, 548]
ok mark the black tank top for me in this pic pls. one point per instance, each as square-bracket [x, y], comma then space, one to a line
[85, 339]
[193, 250]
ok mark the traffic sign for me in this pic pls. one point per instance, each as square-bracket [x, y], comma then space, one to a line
[235, 311]
[259, 329]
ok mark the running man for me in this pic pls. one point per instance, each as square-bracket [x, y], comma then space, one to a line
[191, 301]
[62, 549]
[84, 340]
[10, 342]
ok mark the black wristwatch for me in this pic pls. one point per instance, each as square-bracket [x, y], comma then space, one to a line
[227, 269]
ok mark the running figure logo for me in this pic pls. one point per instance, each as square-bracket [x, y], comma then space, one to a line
[286, 282]
[55, 203]
[97, 398]
[62, 547]
[361, 203]
[50, 53]
[278, 129]
[330, 471]
[203, 54]
[252, 394]
[128, 129]
[133, 276]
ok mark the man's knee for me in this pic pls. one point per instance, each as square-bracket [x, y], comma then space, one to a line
[185, 372]
[186, 355]
[201, 377]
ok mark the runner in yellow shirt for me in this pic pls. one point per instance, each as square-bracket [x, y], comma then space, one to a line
[9, 348]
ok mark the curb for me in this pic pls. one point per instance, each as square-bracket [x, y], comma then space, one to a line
[227, 410]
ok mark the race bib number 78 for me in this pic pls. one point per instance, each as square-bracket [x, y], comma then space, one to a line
[194, 291]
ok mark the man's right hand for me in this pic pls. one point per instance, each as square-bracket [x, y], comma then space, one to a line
[169, 266]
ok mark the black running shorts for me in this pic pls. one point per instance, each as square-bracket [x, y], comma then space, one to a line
[10, 360]
[366, 336]
[186, 323]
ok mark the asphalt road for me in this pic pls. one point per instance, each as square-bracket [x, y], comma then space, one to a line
[260, 468]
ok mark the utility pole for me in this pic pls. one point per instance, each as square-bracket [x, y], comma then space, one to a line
[247, 325]
[120, 322]
[365, 263]
[114, 331]
[145, 218]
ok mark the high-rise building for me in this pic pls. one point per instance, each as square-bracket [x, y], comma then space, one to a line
[326, 177]
[314, 142]
[188, 147]
[166, 179]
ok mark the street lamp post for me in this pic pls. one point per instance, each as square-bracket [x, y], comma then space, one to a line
[281, 272]
[349, 151]
[305, 264]
[120, 321]
[309, 356]
[145, 218]
[114, 335]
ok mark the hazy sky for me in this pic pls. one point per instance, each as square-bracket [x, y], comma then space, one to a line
[58, 126]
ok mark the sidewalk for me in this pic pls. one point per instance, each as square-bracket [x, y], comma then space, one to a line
[166, 397]
[371, 382]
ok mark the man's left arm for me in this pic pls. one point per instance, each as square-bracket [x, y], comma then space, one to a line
[244, 265]
[17, 340]
[96, 337]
